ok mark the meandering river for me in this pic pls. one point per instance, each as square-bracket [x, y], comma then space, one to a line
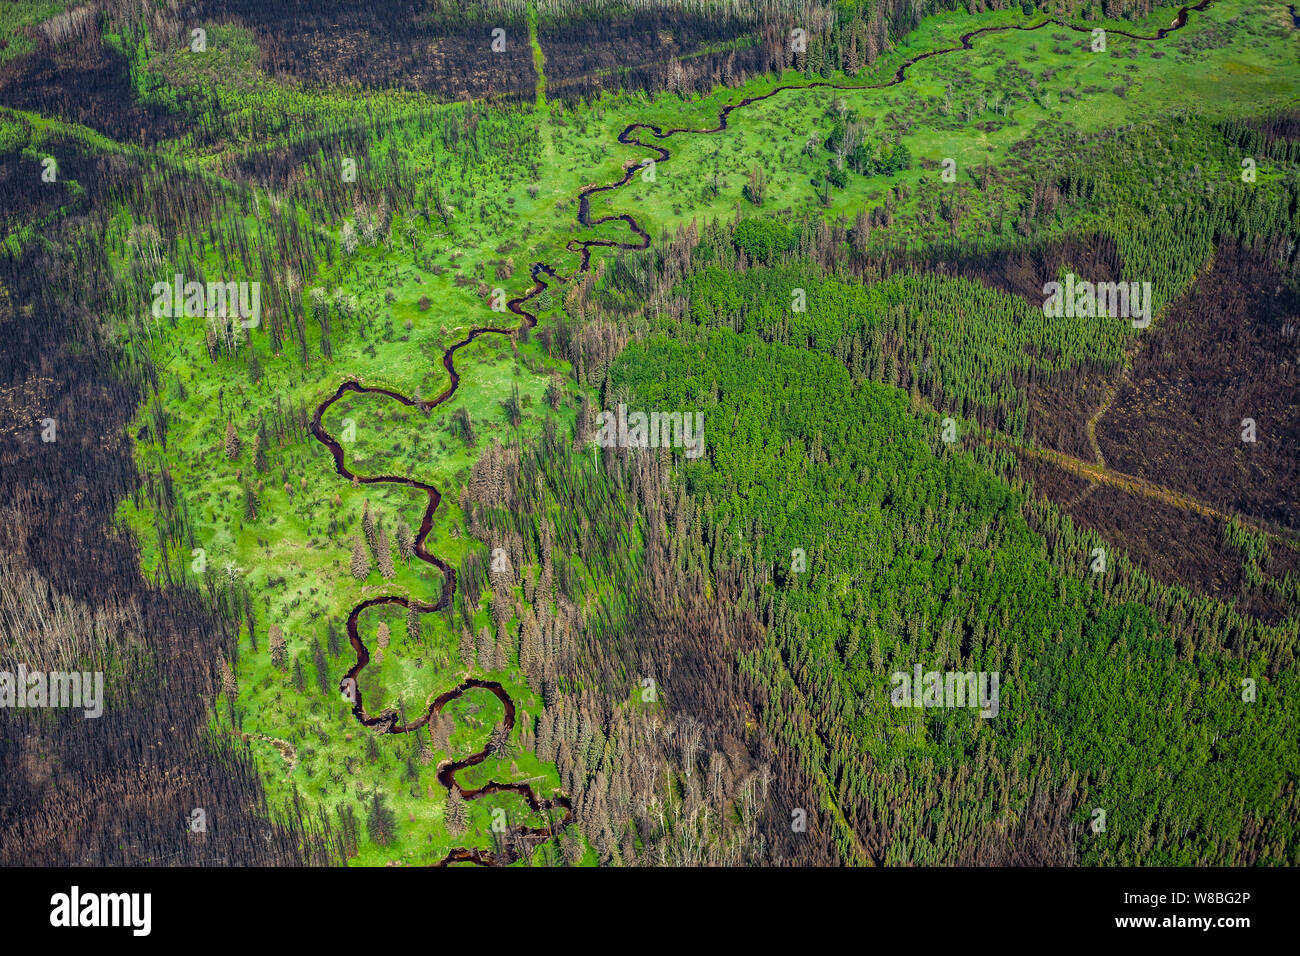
[387, 722]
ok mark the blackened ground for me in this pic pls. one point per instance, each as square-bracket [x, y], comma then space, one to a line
[84, 81]
[1228, 351]
[655, 50]
[119, 789]
[1171, 544]
[81, 177]
[1060, 403]
[408, 44]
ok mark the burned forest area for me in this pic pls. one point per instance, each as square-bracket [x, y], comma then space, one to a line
[652, 433]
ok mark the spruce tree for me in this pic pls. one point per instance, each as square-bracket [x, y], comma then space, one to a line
[455, 816]
[232, 441]
[405, 540]
[384, 554]
[322, 667]
[259, 452]
[501, 661]
[275, 638]
[487, 649]
[466, 649]
[368, 527]
[360, 560]
[380, 822]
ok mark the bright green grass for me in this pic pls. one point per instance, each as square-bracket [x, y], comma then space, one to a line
[295, 555]
[1004, 82]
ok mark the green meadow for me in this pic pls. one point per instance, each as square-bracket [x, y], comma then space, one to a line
[276, 523]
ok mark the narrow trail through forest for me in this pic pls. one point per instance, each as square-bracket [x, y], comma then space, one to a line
[1100, 474]
[1116, 385]
[387, 722]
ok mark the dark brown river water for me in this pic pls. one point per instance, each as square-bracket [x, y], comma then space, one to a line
[387, 721]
